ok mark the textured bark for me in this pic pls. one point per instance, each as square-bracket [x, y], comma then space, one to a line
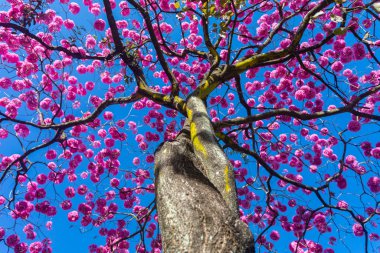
[192, 213]
[217, 166]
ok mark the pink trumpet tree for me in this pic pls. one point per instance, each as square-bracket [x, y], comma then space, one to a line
[190, 126]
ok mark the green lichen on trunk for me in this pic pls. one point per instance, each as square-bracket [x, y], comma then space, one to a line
[196, 193]
[217, 165]
[192, 214]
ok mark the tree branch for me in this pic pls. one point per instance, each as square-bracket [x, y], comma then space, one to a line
[302, 115]
[75, 55]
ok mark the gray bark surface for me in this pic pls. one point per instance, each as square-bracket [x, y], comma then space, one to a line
[217, 166]
[192, 213]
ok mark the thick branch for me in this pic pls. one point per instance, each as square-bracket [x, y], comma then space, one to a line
[171, 102]
[226, 72]
[303, 115]
[88, 119]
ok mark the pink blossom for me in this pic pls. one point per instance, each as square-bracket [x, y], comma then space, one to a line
[66, 205]
[51, 154]
[30, 234]
[3, 133]
[149, 159]
[35, 247]
[342, 183]
[109, 142]
[74, 8]
[69, 24]
[350, 159]
[285, 43]
[25, 69]
[376, 152]
[324, 61]
[114, 182]
[89, 85]
[357, 229]
[21, 130]
[300, 95]
[40, 193]
[108, 115]
[342, 204]
[347, 55]
[82, 189]
[3, 49]
[73, 216]
[21, 248]
[339, 45]
[81, 69]
[100, 25]
[2, 200]
[12, 240]
[337, 66]
[359, 51]
[2, 233]
[354, 126]
[275, 235]
[102, 133]
[374, 184]
[125, 12]
[95, 9]
[251, 102]
[72, 80]
[136, 161]
[5, 82]
[70, 192]
[90, 42]
[11, 57]
[374, 237]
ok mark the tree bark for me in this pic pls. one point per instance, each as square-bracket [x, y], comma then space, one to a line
[196, 211]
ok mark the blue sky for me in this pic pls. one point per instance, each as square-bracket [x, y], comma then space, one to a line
[70, 237]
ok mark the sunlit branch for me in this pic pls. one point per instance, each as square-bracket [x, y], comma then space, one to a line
[226, 72]
[206, 36]
[143, 88]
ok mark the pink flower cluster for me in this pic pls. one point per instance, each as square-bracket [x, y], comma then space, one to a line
[374, 184]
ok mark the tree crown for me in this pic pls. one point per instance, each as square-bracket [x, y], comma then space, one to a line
[89, 89]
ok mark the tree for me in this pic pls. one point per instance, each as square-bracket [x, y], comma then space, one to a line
[267, 112]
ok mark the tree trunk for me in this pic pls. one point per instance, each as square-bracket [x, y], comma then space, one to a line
[195, 196]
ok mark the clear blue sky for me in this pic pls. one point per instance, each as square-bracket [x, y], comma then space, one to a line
[70, 237]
